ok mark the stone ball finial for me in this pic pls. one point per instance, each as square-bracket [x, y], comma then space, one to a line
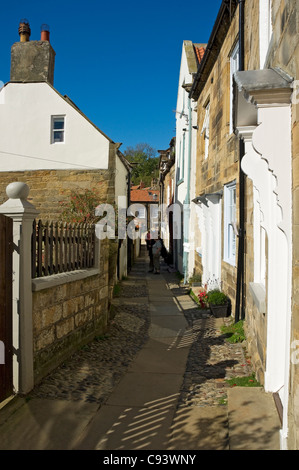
[17, 190]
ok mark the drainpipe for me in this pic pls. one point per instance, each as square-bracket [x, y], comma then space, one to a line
[129, 251]
[240, 291]
[187, 198]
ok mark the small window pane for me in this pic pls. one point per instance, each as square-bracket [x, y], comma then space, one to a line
[58, 123]
[58, 136]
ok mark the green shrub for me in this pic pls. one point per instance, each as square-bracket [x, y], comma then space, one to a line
[216, 297]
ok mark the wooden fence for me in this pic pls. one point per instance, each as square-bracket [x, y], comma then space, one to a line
[59, 247]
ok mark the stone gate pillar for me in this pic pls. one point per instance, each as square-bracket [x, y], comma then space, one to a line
[23, 213]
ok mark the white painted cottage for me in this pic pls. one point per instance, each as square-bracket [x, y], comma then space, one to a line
[185, 163]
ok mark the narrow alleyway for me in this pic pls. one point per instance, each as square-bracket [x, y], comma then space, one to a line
[156, 380]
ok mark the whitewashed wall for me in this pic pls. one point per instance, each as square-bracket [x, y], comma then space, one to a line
[25, 132]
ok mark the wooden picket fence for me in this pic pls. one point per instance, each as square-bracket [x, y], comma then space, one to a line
[59, 247]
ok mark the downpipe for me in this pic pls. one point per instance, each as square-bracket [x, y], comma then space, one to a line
[240, 288]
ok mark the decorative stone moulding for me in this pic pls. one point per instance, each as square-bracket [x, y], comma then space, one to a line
[262, 104]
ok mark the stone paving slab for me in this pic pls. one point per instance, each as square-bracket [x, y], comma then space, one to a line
[158, 357]
[199, 428]
[164, 308]
[41, 424]
[145, 389]
[133, 428]
[253, 419]
[171, 326]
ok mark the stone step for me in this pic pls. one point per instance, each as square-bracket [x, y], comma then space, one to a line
[253, 419]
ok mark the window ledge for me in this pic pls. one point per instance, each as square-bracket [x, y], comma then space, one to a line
[231, 262]
[54, 280]
[258, 293]
[180, 181]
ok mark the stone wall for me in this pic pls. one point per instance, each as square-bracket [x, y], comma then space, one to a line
[256, 322]
[221, 165]
[49, 188]
[69, 310]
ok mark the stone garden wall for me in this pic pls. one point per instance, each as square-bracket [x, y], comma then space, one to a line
[68, 310]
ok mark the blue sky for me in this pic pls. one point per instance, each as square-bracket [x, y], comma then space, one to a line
[118, 61]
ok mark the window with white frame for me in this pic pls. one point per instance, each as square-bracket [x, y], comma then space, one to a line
[230, 235]
[234, 67]
[206, 130]
[57, 129]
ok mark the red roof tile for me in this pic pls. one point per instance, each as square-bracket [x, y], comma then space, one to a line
[144, 195]
[199, 52]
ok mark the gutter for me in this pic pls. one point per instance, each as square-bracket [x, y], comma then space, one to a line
[240, 288]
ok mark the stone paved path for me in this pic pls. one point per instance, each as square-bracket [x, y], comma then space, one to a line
[92, 373]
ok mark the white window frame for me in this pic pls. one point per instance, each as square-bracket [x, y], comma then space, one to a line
[54, 119]
[205, 131]
[234, 67]
[230, 236]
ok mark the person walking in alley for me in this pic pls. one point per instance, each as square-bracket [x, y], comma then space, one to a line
[156, 251]
[148, 240]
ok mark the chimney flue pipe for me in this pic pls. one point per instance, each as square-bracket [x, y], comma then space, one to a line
[45, 33]
[24, 30]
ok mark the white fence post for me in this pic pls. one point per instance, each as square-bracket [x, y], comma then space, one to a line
[23, 213]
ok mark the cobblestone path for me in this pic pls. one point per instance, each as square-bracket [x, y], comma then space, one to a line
[92, 373]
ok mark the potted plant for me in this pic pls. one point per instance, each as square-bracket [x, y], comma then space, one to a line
[218, 303]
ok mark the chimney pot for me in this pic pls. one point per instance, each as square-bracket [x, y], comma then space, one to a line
[45, 32]
[24, 30]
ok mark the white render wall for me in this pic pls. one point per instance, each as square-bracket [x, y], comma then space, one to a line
[25, 132]
[183, 128]
[121, 199]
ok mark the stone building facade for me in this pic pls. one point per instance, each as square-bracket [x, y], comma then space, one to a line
[247, 186]
[217, 155]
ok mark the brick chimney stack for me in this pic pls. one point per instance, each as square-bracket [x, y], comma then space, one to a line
[32, 61]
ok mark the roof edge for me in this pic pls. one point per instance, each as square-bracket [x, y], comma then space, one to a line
[224, 17]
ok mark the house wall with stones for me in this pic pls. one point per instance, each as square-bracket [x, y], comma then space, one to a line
[220, 165]
[49, 189]
[256, 321]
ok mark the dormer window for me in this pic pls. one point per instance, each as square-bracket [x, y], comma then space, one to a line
[58, 129]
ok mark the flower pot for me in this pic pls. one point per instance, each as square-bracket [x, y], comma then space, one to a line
[219, 311]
